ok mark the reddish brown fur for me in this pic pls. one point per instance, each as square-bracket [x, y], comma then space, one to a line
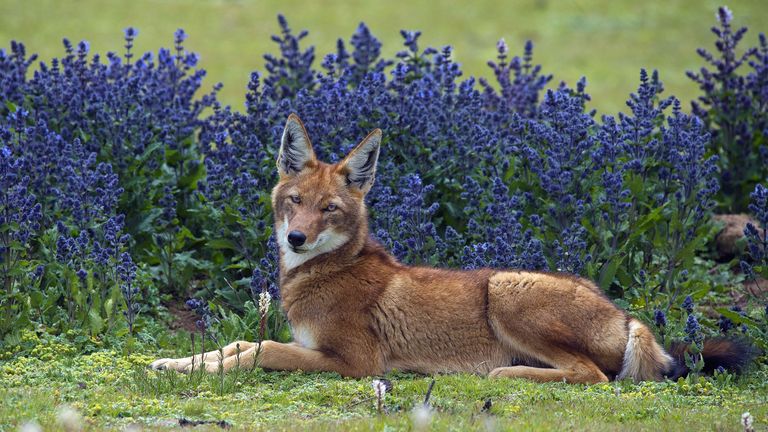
[359, 312]
[329, 185]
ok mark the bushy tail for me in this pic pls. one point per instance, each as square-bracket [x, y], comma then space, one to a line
[644, 358]
[733, 355]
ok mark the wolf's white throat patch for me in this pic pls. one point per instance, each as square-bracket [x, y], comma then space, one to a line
[327, 241]
[304, 336]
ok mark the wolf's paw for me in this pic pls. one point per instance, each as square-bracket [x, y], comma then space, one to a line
[168, 364]
[160, 364]
[210, 367]
[498, 373]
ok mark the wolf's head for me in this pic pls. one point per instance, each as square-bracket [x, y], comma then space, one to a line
[318, 207]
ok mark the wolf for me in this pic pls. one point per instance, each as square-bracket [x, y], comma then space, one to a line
[355, 310]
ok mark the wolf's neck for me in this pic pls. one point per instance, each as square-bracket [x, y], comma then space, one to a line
[317, 278]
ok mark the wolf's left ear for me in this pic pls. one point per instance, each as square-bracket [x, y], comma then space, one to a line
[295, 148]
[360, 164]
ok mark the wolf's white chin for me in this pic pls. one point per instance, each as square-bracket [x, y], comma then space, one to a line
[327, 241]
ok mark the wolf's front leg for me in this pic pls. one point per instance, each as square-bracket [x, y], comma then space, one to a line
[290, 357]
[271, 355]
[187, 364]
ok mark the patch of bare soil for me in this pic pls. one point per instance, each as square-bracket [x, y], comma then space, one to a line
[727, 241]
[183, 318]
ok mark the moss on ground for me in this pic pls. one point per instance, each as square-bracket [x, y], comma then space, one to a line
[112, 390]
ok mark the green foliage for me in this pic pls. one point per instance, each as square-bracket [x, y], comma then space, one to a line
[733, 105]
[112, 390]
[180, 184]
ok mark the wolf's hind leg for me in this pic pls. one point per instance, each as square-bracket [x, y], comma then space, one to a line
[185, 364]
[570, 368]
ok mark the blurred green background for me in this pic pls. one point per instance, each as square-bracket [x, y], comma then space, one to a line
[607, 41]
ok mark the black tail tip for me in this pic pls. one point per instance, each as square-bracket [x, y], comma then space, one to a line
[733, 354]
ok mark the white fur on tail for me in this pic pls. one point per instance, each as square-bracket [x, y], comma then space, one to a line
[644, 359]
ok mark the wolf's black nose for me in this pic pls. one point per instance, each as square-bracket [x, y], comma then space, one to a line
[296, 238]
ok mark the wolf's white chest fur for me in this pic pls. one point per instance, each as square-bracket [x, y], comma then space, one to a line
[303, 336]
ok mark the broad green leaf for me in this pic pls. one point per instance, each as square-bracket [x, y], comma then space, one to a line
[608, 272]
[95, 321]
[736, 317]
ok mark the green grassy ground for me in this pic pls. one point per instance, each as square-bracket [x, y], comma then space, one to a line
[606, 41]
[111, 390]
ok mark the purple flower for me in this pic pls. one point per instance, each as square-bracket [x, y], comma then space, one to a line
[757, 241]
[659, 318]
[688, 304]
[193, 304]
[733, 107]
[519, 80]
[693, 330]
[265, 274]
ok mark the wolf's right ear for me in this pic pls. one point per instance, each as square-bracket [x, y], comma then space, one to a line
[359, 166]
[295, 148]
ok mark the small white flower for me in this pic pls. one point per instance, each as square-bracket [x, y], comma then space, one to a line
[379, 389]
[30, 426]
[69, 419]
[490, 424]
[264, 299]
[421, 417]
[747, 421]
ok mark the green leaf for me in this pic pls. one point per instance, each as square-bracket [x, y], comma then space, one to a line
[95, 321]
[625, 279]
[608, 272]
[736, 317]
[620, 302]
[189, 181]
[643, 225]
[172, 157]
[145, 225]
[186, 234]
[108, 304]
[141, 160]
[237, 266]
[222, 244]
[36, 298]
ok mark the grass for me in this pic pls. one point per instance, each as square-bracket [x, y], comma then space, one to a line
[606, 41]
[112, 390]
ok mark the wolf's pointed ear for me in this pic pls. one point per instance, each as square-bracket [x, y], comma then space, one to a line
[360, 164]
[295, 148]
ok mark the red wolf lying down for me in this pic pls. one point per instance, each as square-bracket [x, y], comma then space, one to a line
[355, 310]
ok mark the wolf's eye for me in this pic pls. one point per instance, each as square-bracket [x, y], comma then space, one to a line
[331, 207]
[296, 199]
